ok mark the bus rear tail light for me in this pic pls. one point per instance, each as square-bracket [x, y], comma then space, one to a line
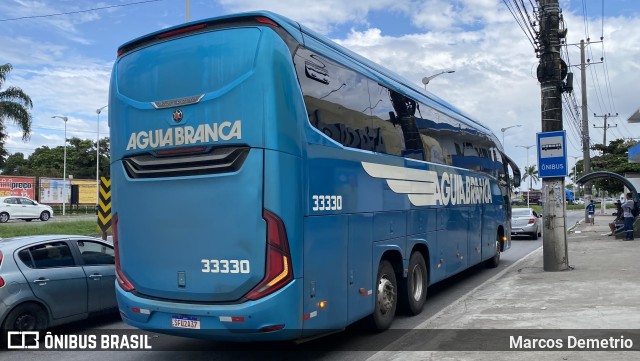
[1, 280]
[278, 270]
[123, 282]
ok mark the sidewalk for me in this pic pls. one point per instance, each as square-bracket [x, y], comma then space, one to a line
[601, 292]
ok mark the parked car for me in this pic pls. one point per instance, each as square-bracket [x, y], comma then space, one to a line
[578, 201]
[525, 221]
[23, 208]
[54, 279]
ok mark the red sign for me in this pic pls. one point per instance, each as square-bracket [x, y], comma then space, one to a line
[17, 186]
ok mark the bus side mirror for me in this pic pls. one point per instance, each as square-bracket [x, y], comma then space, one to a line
[516, 180]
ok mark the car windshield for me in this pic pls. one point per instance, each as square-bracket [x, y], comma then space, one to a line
[522, 212]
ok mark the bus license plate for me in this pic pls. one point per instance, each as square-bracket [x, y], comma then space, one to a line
[185, 322]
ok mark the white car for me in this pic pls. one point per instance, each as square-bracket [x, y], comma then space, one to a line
[23, 208]
[525, 221]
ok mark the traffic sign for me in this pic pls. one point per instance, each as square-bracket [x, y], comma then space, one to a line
[552, 154]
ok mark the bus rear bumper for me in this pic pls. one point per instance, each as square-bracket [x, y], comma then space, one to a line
[272, 318]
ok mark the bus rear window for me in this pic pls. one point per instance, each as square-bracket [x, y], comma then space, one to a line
[187, 66]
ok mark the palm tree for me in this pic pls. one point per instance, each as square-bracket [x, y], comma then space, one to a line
[532, 173]
[14, 106]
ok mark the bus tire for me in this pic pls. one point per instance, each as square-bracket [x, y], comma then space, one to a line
[494, 261]
[386, 296]
[416, 287]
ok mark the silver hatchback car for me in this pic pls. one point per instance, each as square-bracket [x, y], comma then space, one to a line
[525, 221]
[54, 279]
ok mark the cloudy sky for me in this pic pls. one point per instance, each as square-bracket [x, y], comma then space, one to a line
[62, 52]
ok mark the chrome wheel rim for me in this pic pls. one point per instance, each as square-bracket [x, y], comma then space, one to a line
[386, 295]
[417, 283]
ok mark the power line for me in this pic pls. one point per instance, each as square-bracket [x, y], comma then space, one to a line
[527, 26]
[79, 11]
[68, 130]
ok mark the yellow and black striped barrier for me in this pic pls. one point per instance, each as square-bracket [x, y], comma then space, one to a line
[104, 206]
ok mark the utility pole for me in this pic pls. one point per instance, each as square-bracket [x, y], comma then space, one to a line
[586, 141]
[604, 144]
[605, 127]
[586, 157]
[551, 71]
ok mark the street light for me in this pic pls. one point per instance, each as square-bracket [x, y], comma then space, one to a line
[98, 111]
[575, 168]
[507, 128]
[575, 175]
[527, 147]
[427, 79]
[64, 168]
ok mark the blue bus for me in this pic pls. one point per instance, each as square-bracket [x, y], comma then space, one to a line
[569, 195]
[269, 184]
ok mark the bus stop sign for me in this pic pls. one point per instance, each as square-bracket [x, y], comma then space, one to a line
[552, 154]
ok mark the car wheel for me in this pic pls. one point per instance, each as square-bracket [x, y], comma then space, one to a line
[386, 296]
[534, 235]
[4, 217]
[415, 290]
[44, 216]
[26, 317]
[494, 261]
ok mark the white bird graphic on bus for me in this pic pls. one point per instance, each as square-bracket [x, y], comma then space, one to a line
[427, 188]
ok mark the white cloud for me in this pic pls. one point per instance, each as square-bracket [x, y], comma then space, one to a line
[321, 16]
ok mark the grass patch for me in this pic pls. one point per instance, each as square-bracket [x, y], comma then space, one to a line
[86, 228]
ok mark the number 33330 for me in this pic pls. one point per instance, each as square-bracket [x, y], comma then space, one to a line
[326, 202]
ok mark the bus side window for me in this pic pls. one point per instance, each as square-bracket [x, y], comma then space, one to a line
[337, 100]
[386, 121]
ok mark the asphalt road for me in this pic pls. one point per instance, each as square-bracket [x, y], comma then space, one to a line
[354, 343]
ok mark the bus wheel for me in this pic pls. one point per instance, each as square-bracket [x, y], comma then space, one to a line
[386, 296]
[494, 261]
[416, 289]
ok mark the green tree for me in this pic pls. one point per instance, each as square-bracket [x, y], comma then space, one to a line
[49, 162]
[16, 164]
[14, 106]
[532, 173]
[614, 159]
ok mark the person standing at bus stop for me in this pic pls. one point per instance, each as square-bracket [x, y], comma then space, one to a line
[591, 210]
[627, 207]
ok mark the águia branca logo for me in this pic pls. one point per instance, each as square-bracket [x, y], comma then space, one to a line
[185, 135]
